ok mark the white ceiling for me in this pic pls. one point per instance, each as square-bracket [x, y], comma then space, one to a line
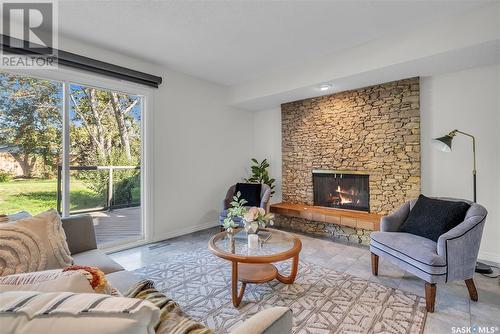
[233, 42]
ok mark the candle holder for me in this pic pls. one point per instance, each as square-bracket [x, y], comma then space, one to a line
[253, 241]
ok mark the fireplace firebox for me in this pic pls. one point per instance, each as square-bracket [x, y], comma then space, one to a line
[341, 189]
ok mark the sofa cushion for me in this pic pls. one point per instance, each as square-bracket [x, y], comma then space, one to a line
[33, 244]
[419, 254]
[96, 258]
[66, 312]
[80, 233]
[250, 192]
[430, 217]
[97, 279]
[123, 280]
[54, 280]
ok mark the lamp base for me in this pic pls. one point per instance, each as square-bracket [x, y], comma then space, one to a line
[483, 268]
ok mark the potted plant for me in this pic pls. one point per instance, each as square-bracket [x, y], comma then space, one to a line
[253, 218]
[236, 210]
[260, 174]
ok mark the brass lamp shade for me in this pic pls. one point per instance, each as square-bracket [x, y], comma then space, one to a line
[444, 143]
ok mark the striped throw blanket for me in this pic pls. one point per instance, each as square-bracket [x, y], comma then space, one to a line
[172, 319]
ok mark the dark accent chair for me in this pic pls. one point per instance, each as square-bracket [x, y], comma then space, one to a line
[265, 196]
[453, 257]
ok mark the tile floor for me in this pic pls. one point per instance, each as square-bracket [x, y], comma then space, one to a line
[453, 307]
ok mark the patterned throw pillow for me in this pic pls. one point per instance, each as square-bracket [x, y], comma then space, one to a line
[76, 279]
[67, 312]
[96, 278]
[47, 281]
[33, 244]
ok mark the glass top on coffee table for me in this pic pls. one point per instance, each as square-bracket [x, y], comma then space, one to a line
[271, 243]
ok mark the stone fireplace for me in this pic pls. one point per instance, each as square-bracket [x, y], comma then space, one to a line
[341, 189]
[372, 136]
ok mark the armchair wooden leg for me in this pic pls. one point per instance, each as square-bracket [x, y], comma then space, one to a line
[374, 264]
[472, 289]
[430, 296]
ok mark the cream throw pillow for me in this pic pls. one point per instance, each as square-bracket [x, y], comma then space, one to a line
[71, 279]
[33, 244]
[54, 280]
[75, 313]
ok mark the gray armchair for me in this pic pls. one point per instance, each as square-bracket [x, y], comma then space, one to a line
[265, 197]
[453, 257]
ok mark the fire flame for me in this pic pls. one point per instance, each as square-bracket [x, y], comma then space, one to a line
[344, 196]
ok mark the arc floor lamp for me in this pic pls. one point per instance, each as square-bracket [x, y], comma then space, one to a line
[444, 144]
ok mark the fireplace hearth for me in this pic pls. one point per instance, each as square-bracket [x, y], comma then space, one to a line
[341, 189]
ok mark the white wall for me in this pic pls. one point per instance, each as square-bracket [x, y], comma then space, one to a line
[199, 147]
[469, 101]
[267, 144]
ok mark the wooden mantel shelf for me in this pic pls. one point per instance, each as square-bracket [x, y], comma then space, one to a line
[350, 218]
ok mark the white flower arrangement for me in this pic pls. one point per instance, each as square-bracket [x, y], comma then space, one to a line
[254, 218]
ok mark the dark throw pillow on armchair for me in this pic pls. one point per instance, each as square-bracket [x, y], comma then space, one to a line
[431, 217]
[250, 192]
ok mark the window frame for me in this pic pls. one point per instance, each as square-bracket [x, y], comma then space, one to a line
[66, 77]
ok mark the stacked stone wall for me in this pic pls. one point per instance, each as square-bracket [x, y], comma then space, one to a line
[374, 129]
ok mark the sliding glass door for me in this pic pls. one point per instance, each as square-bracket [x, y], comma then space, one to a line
[74, 147]
[105, 158]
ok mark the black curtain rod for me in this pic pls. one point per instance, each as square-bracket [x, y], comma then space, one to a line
[84, 63]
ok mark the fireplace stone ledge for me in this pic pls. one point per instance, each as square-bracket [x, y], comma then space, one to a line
[348, 218]
[328, 230]
[344, 225]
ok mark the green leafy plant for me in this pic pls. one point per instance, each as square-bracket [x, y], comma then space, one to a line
[236, 210]
[124, 189]
[124, 180]
[5, 176]
[260, 174]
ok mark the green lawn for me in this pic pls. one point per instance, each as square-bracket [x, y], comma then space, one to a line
[35, 196]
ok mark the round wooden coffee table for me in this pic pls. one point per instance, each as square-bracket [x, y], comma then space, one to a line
[255, 265]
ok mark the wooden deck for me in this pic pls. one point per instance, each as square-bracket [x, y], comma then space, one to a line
[116, 225]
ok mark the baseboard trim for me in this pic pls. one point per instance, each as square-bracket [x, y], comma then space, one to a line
[185, 230]
[489, 256]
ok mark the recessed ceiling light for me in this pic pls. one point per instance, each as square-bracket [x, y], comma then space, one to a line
[325, 87]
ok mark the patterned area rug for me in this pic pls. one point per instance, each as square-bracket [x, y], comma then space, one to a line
[322, 300]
